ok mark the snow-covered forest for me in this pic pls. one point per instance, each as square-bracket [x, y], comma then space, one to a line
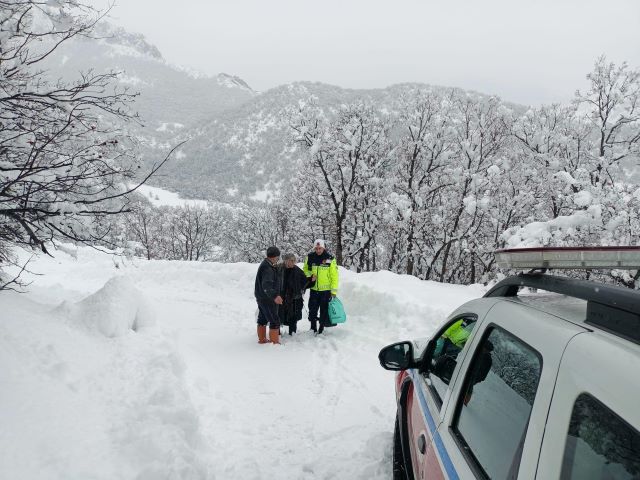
[435, 187]
[432, 184]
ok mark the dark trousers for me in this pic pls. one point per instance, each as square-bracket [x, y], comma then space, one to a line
[268, 313]
[293, 327]
[319, 301]
[290, 312]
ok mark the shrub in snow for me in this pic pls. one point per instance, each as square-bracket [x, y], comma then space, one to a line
[189, 232]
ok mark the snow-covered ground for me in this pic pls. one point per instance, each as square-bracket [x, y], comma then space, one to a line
[160, 197]
[120, 369]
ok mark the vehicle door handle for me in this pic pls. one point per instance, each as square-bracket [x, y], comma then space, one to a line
[422, 443]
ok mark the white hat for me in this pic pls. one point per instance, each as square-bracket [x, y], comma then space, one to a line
[319, 243]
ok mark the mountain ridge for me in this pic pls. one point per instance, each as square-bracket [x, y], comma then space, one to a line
[237, 139]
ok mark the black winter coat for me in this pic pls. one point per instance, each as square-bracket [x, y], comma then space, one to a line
[267, 281]
[294, 283]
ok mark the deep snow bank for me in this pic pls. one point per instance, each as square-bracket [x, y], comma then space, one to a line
[401, 305]
[76, 405]
[114, 310]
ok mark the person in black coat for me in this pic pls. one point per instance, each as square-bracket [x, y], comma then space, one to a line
[294, 283]
[267, 292]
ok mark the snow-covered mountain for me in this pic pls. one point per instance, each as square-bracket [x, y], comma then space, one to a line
[238, 145]
[172, 100]
[246, 151]
[238, 140]
[169, 94]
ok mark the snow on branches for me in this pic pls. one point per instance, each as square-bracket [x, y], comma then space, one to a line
[432, 186]
[65, 154]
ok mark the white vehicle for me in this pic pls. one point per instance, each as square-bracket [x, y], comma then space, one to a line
[521, 385]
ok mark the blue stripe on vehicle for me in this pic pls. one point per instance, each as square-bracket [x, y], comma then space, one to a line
[442, 451]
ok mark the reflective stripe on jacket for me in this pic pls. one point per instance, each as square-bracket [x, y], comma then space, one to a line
[325, 268]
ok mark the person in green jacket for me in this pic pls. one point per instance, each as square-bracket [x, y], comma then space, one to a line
[321, 267]
[454, 338]
[449, 345]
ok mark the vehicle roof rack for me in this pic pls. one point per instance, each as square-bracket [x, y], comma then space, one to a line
[609, 307]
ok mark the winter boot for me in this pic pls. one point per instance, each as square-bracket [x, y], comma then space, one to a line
[314, 326]
[262, 334]
[321, 329]
[274, 335]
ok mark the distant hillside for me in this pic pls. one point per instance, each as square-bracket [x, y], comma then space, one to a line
[172, 103]
[244, 153]
[169, 94]
[238, 146]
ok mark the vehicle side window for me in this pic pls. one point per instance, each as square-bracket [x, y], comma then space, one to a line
[495, 403]
[444, 358]
[600, 445]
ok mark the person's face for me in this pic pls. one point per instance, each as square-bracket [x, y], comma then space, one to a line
[319, 249]
[290, 263]
[274, 260]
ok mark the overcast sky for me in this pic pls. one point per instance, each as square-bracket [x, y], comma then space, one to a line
[530, 52]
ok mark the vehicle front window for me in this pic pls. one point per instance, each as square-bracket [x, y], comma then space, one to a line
[496, 402]
[600, 445]
[445, 355]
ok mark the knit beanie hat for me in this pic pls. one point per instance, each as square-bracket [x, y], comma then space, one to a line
[273, 252]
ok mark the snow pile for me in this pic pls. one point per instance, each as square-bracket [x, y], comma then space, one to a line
[114, 310]
[78, 405]
[396, 305]
[556, 232]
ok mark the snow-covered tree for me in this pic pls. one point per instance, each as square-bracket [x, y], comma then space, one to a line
[194, 233]
[65, 155]
[578, 155]
[349, 158]
[425, 145]
[144, 231]
[252, 229]
[481, 135]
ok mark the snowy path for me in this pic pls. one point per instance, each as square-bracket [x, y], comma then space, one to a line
[306, 409]
[196, 396]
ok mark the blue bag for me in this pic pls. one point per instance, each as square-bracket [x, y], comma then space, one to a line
[336, 312]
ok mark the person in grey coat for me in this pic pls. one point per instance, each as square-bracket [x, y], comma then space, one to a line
[294, 283]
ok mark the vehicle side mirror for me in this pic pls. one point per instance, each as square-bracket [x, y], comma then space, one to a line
[397, 356]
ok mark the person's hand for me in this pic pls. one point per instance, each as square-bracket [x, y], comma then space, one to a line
[278, 300]
[313, 278]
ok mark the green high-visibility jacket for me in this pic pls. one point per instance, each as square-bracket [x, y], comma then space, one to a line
[325, 268]
[457, 334]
